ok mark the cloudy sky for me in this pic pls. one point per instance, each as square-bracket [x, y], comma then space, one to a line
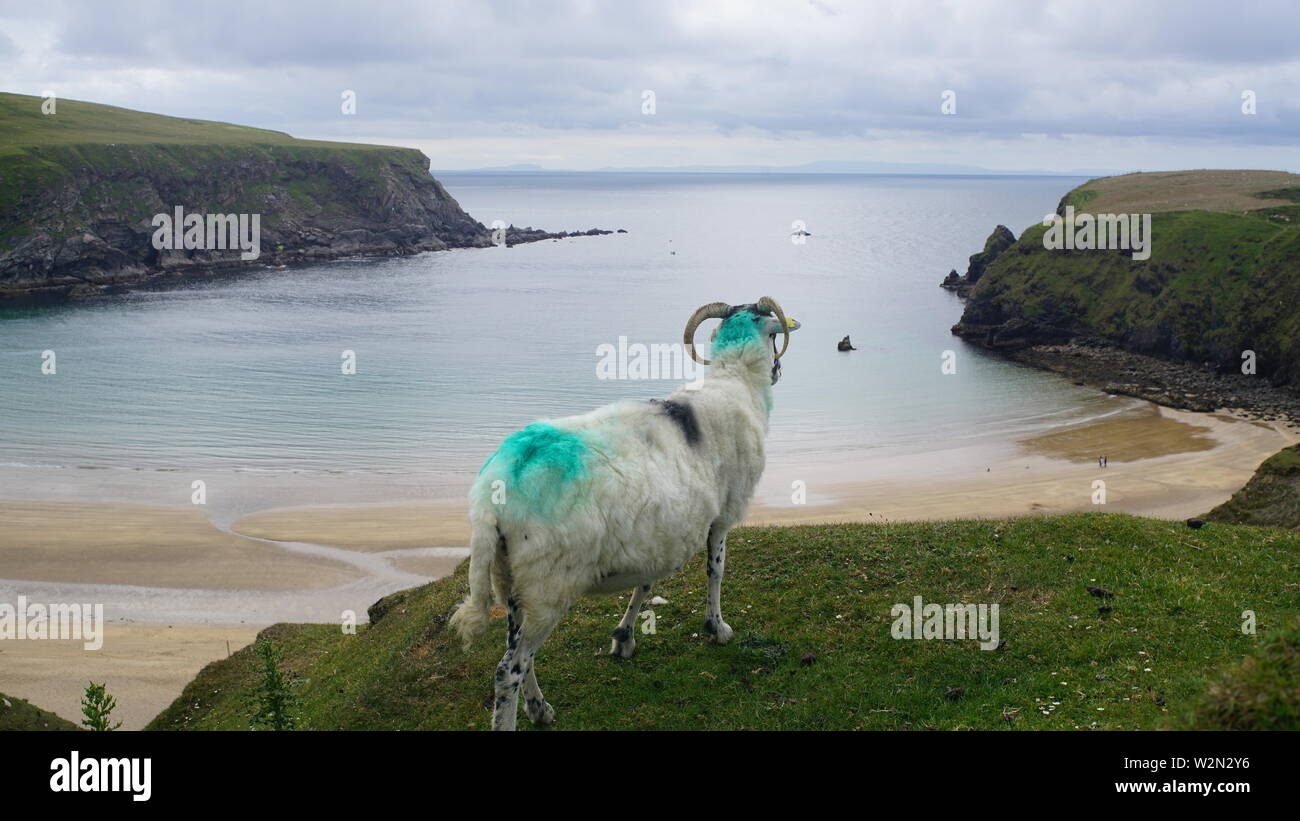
[1049, 84]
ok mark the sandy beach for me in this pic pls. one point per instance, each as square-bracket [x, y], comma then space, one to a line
[177, 587]
[144, 665]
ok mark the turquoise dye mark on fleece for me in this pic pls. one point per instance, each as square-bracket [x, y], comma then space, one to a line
[738, 330]
[541, 466]
[544, 448]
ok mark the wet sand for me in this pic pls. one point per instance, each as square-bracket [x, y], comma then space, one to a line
[156, 546]
[1162, 463]
[368, 527]
[169, 577]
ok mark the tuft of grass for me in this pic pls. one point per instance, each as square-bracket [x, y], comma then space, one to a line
[1261, 692]
[813, 649]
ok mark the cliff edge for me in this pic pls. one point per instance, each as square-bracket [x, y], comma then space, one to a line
[80, 189]
[1219, 291]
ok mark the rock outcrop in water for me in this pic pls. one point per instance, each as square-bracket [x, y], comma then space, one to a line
[79, 190]
[1000, 240]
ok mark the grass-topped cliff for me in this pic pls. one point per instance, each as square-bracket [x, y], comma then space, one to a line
[1271, 497]
[811, 610]
[1223, 276]
[79, 187]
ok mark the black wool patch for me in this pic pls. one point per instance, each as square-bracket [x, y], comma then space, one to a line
[682, 416]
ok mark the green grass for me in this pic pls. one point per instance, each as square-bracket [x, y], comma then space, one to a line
[97, 169]
[22, 123]
[1262, 692]
[18, 714]
[40, 152]
[811, 610]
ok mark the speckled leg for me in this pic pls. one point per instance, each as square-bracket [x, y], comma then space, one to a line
[713, 623]
[624, 643]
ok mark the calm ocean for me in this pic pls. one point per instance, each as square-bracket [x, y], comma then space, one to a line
[241, 374]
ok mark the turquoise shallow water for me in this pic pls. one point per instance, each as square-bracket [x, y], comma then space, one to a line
[455, 350]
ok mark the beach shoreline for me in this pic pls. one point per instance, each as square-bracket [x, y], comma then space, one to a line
[178, 583]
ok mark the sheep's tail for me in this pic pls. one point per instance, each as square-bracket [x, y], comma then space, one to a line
[471, 618]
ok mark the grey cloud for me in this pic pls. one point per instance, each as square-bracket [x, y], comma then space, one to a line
[817, 67]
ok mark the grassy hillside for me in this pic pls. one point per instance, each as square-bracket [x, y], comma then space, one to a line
[1161, 191]
[22, 123]
[1271, 497]
[813, 650]
[79, 189]
[43, 149]
[17, 714]
[1219, 280]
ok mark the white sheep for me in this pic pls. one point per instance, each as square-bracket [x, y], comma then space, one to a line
[619, 498]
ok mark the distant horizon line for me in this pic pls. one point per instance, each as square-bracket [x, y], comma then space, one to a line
[820, 168]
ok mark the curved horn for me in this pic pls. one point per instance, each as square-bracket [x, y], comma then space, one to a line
[714, 310]
[767, 304]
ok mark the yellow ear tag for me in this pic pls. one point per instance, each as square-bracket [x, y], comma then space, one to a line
[789, 322]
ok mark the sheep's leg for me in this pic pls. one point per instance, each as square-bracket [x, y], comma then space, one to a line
[713, 623]
[505, 704]
[523, 639]
[624, 643]
[538, 708]
[534, 633]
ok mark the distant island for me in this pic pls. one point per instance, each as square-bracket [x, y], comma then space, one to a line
[83, 190]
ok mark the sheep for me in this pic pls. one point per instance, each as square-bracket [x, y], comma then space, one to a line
[619, 498]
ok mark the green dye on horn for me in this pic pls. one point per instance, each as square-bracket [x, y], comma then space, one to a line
[738, 330]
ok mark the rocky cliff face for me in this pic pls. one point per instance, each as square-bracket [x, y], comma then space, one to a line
[81, 219]
[1220, 291]
[1000, 240]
